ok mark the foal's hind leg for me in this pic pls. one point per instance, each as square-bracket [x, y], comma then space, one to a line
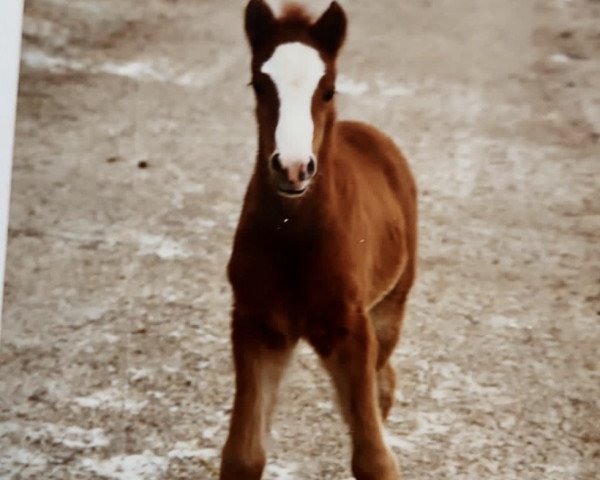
[387, 317]
[386, 387]
[351, 364]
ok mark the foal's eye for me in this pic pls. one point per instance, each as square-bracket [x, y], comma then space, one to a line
[328, 94]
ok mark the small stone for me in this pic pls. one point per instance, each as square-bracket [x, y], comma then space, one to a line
[566, 34]
[142, 164]
[38, 395]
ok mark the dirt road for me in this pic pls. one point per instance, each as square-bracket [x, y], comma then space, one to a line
[135, 140]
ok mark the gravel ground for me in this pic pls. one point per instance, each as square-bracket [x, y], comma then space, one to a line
[135, 140]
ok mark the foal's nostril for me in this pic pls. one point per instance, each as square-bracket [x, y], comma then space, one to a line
[311, 167]
[276, 163]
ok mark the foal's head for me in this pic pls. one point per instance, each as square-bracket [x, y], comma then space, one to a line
[293, 76]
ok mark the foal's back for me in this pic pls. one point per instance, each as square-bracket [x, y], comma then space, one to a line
[377, 206]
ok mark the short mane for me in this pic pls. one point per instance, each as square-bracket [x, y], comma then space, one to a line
[295, 13]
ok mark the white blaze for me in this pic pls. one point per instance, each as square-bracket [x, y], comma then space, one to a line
[296, 70]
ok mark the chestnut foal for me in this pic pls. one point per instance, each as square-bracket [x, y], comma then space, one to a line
[325, 246]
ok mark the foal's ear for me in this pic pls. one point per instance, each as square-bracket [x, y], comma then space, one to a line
[329, 30]
[259, 22]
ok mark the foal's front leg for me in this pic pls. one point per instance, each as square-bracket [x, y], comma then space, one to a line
[352, 365]
[260, 357]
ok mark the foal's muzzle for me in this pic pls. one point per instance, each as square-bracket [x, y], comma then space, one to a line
[294, 178]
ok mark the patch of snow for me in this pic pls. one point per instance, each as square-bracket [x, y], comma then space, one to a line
[9, 427]
[206, 223]
[325, 405]
[348, 86]
[466, 168]
[21, 456]
[165, 248]
[395, 441]
[170, 369]
[21, 463]
[95, 312]
[191, 450]
[111, 338]
[137, 374]
[51, 32]
[72, 436]
[111, 399]
[210, 74]
[448, 370]
[278, 472]
[176, 334]
[156, 394]
[561, 471]
[210, 338]
[430, 423]
[500, 321]
[40, 60]
[397, 91]
[221, 420]
[137, 69]
[560, 58]
[79, 438]
[144, 466]
[158, 70]
[400, 398]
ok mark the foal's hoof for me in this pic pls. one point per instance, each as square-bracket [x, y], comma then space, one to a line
[377, 467]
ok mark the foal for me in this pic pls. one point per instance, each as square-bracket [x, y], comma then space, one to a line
[325, 246]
